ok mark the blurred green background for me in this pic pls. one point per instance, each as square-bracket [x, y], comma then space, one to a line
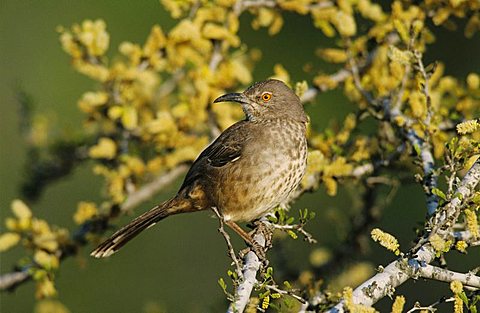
[175, 265]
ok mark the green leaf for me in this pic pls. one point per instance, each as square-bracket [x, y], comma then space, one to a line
[263, 295]
[439, 193]
[464, 298]
[292, 234]
[287, 285]
[222, 284]
[290, 220]
[269, 272]
[417, 148]
[272, 219]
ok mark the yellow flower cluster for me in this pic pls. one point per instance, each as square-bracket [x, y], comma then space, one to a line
[85, 211]
[335, 155]
[461, 246]
[468, 127]
[347, 296]
[439, 244]
[386, 240]
[457, 287]
[398, 304]
[472, 223]
[391, 67]
[37, 235]
[150, 114]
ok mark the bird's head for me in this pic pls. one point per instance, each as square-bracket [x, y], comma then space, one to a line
[270, 99]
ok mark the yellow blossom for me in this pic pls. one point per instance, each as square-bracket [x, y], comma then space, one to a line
[45, 289]
[339, 167]
[325, 82]
[85, 211]
[241, 71]
[21, 210]
[418, 104]
[281, 73]
[46, 260]
[135, 164]
[163, 123]
[129, 117]
[398, 304]
[94, 36]
[330, 185]
[69, 45]
[104, 149]
[461, 246]
[472, 223]
[92, 100]
[94, 71]
[215, 31]
[345, 24]
[299, 6]
[403, 57]
[467, 127]
[473, 25]
[386, 240]
[320, 256]
[372, 11]
[333, 55]
[347, 295]
[8, 240]
[46, 240]
[439, 244]
[458, 305]
[456, 286]
[301, 88]
[132, 51]
[441, 16]
[50, 306]
[473, 81]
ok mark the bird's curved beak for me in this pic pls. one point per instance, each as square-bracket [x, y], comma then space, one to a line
[233, 97]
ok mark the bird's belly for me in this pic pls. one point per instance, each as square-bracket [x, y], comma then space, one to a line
[253, 187]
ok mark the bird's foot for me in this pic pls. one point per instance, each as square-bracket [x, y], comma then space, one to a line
[259, 251]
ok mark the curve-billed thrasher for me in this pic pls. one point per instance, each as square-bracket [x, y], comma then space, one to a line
[251, 168]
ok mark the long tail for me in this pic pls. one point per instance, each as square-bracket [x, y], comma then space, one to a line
[135, 227]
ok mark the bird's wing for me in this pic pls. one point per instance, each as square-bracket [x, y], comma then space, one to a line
[226, 149]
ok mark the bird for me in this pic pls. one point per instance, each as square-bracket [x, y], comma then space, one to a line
[250, 169]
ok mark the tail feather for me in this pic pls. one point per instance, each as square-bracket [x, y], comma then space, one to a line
[135, 227]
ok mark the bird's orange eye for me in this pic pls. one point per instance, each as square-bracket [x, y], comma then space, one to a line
[266, 96]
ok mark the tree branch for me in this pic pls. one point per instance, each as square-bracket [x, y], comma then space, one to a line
[14, 279]
[399, 271]
[11, 280]
[251, 266]
[146, 192]
[442, 274]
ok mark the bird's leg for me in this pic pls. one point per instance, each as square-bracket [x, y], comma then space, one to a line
[257, 248]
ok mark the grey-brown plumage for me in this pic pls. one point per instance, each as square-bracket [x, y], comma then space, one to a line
[251, 168]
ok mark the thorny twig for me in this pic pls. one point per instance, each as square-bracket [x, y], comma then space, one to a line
[298, 227]
[431, 307]
[290, 293]
[231, 251]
